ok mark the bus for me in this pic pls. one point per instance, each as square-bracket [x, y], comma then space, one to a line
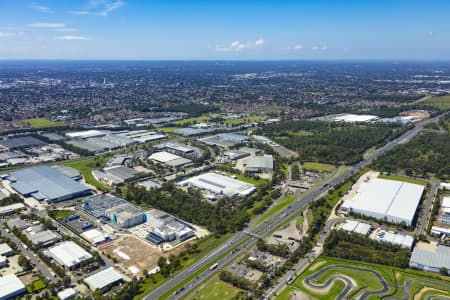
[214, 266]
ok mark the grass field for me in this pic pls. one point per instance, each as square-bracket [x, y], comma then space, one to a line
[41, 123]
[37, 285]
[315, 166]
[214, 288]
[59, 213]
[393, 276]
[167, 129]
[245, 120]
[86, 166]
[403, 178]
[439, 102]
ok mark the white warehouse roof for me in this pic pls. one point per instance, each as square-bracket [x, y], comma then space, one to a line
[68, 254]
[10, 286]
[163, 156]
[381, 198]
[103, 279]
[220, 184]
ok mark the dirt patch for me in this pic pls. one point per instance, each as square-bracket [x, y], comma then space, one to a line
[299, 295]
[317, 265]
[398, 275]
[134, 256]
[419, 295]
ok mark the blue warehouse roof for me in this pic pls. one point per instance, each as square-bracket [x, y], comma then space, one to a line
[49, 182]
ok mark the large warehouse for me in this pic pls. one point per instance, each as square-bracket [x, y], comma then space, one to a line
[10, 287]
[392, 200]
[220, 185]
[169, 159]
[103, 280]
[69, 254]
[430, 258]
[46, 183]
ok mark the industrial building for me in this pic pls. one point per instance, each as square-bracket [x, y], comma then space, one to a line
[5, 250]
[258, 164]
[9, 209]
[67, 294]
[430, 258]
[179, 149]
[21, 142]
[104, 280]
[40, 237]
[219, 185]
[399, 239]
[149, 184]
[351, 118]
[225, 140]
[114, 209]
[95, 236]
[445, 210]
[46, 183]
[68, 254]
[356, 227]
[187, 132]
[142, 136]
[69, 172]
[126, 215]
[235, 154]
[11, 287]
[167, 228]
[169, 159]
[390, 200]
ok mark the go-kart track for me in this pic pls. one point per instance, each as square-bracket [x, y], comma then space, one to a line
[351, 289]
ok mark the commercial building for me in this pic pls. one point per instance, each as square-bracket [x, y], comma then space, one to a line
[114, 209]
[98, 204]
[46, 183]
[11, 287]
[67, 294]
[402, 240]
[149, 184]
[40, 237]
[430, 258]
[258, 164]
[126, 215]
[9, 209]
[219, 185]
[169, 159]
[351, 118]
[69, 254]
[445, 210]
[104, 280]
[167, 228]
[225, 140]
[356, 227]
[179, 149]
[5, 250]
[390, 200]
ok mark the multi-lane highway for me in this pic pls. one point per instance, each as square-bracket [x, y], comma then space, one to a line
[225, 253]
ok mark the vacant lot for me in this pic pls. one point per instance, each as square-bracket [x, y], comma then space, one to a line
[315, 166]
[440, 102]
[41, 123]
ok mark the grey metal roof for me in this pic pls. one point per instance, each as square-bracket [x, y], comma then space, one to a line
[436, 259]
[21, 142]
[49, 182]
[123, 173]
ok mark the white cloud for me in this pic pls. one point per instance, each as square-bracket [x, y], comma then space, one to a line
[47, 25]
[319, 48]
[9, 34]
[259, 42]
[72, 38]
[42, 8]
[295, 47]
[100, 8]
[238, 46]
[430, 34]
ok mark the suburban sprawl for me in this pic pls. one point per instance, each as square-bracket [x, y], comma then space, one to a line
[248, 181]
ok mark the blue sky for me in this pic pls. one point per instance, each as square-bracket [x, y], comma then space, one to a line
[227, 29]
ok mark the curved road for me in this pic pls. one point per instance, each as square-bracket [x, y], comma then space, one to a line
[348, 283]
[224, 254]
